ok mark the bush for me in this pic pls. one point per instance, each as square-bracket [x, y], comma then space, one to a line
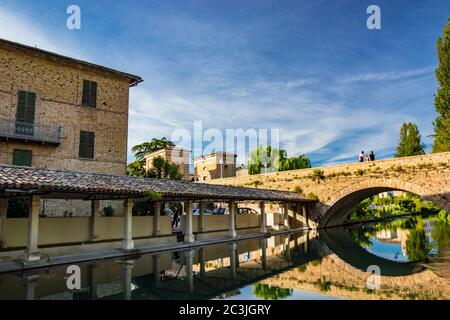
[108, 211]
[313, 196]
[297, 189]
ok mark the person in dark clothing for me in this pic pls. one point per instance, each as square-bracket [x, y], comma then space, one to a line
[372, 156]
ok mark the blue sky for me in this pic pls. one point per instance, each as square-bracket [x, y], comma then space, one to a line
[309, 68]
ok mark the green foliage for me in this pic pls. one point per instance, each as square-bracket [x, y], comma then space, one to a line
[136, 168]
[17, 208]
[312, 196]
[441, 230]
[108, 211]
[417, 245]
[317, 175]
[142, 149]
[153, 195]
[267, 292]
[162, 169]
[268, 159]
[360, 172]
[410, 141]
[297, 189]
[442, 97]
[384, 207]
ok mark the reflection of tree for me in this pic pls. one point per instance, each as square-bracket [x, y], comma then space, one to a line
[267, 292]
[417, 246]
[441, 230]
[362, 236]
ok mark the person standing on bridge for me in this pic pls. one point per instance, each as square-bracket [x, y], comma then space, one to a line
[361, 156]
[372, 156]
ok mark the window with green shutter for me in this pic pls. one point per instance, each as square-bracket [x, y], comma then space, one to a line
[89, 94]
[26, 106]
[22, 158]
[87, 142]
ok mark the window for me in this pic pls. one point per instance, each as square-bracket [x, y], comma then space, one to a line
[22, 158]
[26, 106]
[89, 94]
[87, 142]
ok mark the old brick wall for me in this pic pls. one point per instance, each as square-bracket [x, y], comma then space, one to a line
[58, 87]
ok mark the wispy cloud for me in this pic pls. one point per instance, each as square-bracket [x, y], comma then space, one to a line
[388, 76]
[267, 87]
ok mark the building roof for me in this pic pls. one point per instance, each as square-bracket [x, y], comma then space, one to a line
[150, 154]
[215, 154]
[134, 80]
[52, 183]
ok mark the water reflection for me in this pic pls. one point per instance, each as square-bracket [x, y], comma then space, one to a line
[329, 265]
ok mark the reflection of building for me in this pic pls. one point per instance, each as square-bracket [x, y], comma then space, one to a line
[215, 166]
[393, 236]
[175, 155]
[63, 113]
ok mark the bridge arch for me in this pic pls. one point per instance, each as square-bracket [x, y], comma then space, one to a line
[335, 210]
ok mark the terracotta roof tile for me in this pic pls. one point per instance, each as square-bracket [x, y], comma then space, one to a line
[64, 181]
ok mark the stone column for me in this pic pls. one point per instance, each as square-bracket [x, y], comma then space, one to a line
[127, 242]
[233, 258]
[126, 279]
[156, 269]
[32, 251]
[201, 257]
[3, 216]
[232, 219]
[188, 235]
[95, 216]
[156, 219]
[294, 217]
[30, 282]
[305, 214]
[262, 218]
[263, 245]
[201, 217]
[285, 216]
[189, 270]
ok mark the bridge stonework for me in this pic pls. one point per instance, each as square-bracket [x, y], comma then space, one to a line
[338, 188]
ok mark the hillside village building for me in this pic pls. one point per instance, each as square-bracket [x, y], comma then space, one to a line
[62, 113]
[216, 165]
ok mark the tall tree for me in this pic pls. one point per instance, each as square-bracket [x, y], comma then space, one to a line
[136, 168]
[410, 141]
[442, 97]
[265, 159]
[142, 149]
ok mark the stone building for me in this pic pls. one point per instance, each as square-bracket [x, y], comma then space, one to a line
[59, 112]
[62, 113]
[175, 155]
[216, 165]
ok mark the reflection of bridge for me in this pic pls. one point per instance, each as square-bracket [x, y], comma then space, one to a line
[211, 271]
[339, 188]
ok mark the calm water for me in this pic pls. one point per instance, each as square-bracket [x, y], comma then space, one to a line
[411, 254]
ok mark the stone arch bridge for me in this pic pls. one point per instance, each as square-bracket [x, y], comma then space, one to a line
[339, 188]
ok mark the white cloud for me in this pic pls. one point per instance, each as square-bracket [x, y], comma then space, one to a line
[387, 76]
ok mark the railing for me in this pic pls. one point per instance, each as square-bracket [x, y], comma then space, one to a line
[26, 131]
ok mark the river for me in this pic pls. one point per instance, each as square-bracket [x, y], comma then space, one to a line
[405, 258]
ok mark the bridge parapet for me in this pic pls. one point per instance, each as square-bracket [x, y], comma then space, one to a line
[426, 175]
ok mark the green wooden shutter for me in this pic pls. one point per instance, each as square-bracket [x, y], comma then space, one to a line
[26, 106]
[89, 98]
[31, 107]
[93, 94]
[87, 142]
[21, 106]
[22, 158]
